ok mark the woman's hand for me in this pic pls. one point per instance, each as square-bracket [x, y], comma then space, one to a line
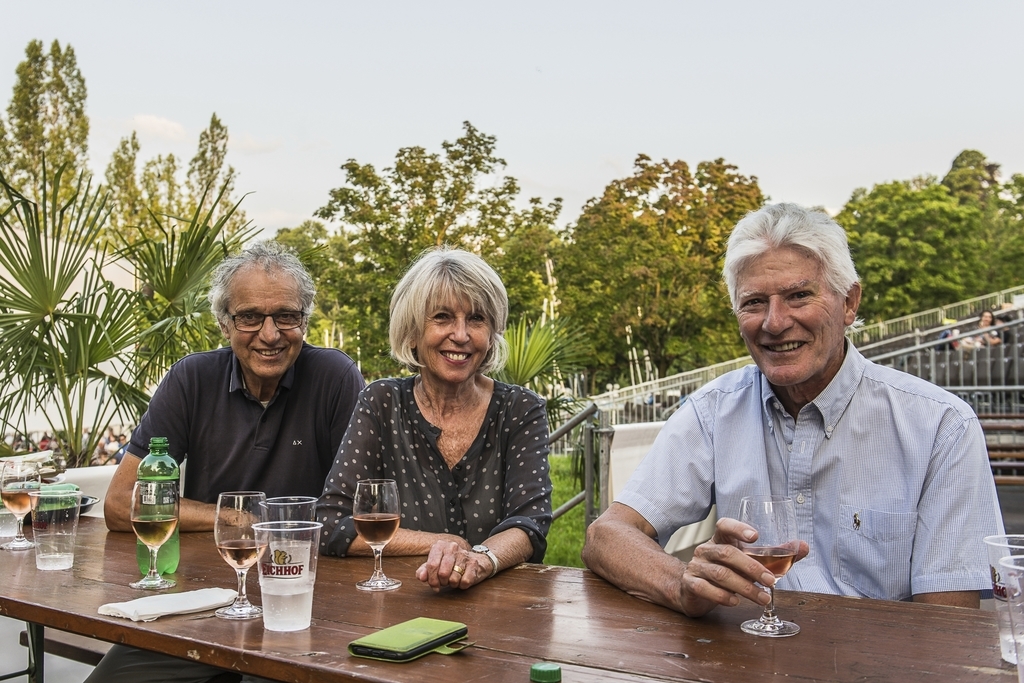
[450, 564]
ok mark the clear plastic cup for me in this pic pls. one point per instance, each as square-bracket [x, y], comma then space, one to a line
[999, 547]
[287, 573]
[54, 526]
[1011, 569]
[291, 509]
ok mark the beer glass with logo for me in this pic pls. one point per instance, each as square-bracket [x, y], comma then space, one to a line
[287, 573]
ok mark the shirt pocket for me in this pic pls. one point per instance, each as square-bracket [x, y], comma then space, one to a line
[874, 551]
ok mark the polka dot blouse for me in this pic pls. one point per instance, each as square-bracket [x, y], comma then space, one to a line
[501, 482]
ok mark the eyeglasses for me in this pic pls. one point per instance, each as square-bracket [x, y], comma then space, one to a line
[253, 322]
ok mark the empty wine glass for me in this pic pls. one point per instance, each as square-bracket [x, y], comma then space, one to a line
[154, 518]
[775, 548]
[376, 512]
[236, 542]
[16, 480]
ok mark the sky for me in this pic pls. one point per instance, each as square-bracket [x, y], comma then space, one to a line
[814, 99]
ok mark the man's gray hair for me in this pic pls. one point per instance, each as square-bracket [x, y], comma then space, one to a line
[788, 225]
[444, 276]
[274, 259]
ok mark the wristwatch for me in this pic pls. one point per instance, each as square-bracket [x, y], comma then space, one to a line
[490, 555]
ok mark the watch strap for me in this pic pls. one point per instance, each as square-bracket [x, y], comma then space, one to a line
[484, 550]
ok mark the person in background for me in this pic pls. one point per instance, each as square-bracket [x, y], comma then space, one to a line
[469, 453]
[889, 474]
[286, 402]
[985, 336]
[122, 440]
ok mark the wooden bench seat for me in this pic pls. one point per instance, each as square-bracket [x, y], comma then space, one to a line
[90, 651]
[70, 646]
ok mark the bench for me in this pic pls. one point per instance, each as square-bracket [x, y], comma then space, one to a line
[1007, 460]
[70, 646]
[89, 651]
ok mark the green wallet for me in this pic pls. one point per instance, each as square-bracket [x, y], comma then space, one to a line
[411, 639]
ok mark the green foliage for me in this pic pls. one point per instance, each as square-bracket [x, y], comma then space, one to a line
[66, 332]
[142, 201]
[423, 200]
[45, 117]
[173, 273]
[540, 356]
[1007, 253]
[915, 247]
[646, 256]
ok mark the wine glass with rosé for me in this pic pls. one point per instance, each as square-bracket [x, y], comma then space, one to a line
[236, 542]
[376, 511]
[154, 517]
[776, 546]
[16, 480]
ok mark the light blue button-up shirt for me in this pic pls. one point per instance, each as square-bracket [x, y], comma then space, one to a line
[889, 475]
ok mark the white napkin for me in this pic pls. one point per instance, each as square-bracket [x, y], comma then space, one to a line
[154, 606]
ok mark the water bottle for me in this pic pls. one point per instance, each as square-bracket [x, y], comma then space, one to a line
[159, 466]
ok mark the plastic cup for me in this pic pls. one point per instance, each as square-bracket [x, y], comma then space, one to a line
[287, 572]
[1011, 568]
[54, 525]
[999, 547]
[291, 509]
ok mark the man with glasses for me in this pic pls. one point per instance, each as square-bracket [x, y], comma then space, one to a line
[265, 414]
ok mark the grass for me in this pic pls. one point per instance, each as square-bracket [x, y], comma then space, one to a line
[565, 539]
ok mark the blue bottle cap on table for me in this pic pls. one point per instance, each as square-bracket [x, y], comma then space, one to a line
[545, 672]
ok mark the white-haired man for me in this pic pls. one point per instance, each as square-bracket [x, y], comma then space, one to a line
[889, 474]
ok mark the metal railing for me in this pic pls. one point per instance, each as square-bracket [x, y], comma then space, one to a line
[989, 378]
[935, 317]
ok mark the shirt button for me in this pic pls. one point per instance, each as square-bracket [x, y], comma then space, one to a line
[800, 499]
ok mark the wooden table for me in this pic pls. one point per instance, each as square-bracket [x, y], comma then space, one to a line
[528, 614]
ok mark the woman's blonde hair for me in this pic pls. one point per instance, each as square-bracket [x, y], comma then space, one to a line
[441, 277]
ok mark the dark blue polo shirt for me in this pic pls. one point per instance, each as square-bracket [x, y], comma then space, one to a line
[233, 443]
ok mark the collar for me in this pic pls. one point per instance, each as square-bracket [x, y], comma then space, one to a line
[238, 383]
[833, 401]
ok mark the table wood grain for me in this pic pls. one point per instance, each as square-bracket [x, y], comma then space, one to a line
[524, 615]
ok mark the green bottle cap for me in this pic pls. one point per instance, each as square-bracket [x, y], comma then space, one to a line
[158, 442]
[545, 672]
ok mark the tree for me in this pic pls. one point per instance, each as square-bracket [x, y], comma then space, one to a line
[916, 246]
[644, 261]
[143, 201]
[45, 117]
[424, 200]
[210, 180]
[972, 179]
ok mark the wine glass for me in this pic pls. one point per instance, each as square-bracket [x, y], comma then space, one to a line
[775, 548]
[154, 518]
[376, 512]
[16, 480]
[237, 544]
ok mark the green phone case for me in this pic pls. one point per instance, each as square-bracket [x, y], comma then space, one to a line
[410, 639]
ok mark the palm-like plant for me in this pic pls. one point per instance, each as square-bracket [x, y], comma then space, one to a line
[66, 332]
[541, 355]
[173, 273]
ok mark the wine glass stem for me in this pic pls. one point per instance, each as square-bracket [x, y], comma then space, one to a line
[20, 536]
[241, 598]
[378, 551]
[153, 573]
[769, 609]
